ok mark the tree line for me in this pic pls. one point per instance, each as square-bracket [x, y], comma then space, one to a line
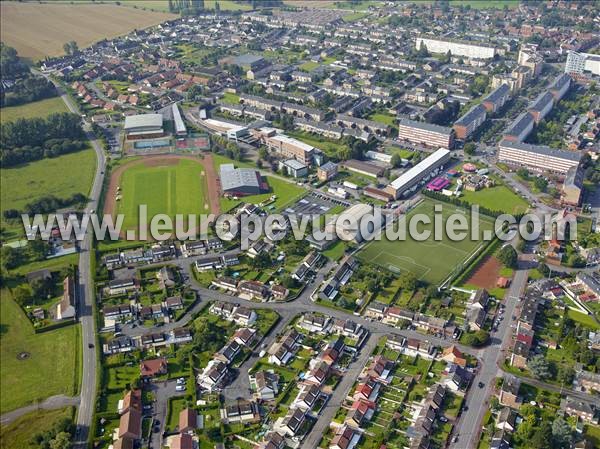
[46, 204]
[11, 67]
[26, 140]
[27, 90]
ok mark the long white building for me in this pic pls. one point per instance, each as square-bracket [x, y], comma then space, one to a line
[537, 157]
[582, 63]
[413, 176]
[457, 47]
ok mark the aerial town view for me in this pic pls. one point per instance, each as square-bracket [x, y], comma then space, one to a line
[289, 224]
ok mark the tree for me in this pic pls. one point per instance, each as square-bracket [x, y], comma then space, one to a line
[396, 160]
[62, 440]
[565, 374]
[23, 294]
[70, 48]
[540, 367]
[10, 257]
[37, 249]
[541, 436]
[508, 256]
[470, 148]
[11, 65]
[562, 434]
[523, 173]
[477, 339]
[540, 183]
[408, 281]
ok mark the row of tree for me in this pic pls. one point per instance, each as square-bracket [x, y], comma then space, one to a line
[25, 140]
[45, 205]
[31, 88]
[11, 67]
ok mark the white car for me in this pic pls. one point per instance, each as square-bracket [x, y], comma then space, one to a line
[180, 388]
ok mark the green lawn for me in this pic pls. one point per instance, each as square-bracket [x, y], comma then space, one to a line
[51, 368]
[309, 66]
[61, 176]
[18, 433]
[485, 4]
[431, 261]
[41, 108]
[381, 117]
[586, 320]
[497, 198]
[330, 147]
[171, 189]
[229, 98]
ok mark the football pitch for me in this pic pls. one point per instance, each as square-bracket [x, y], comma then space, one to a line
[172, 188]
[431, 260]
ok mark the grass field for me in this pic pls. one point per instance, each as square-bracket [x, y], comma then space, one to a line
[38, 30]
[168, 189]
[19, 432]
[61, 176]
[52, 367]
[309, 66]
[41, 108]
[497, 198]
[430, 261]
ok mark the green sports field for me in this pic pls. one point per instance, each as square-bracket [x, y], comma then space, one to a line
[172, 189]
[430, 260]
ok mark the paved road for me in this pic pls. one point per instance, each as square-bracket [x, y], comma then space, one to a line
[85, 293]
[339, 394]
[468, 427]
[162, 392]
[51, 403]
[240, 387]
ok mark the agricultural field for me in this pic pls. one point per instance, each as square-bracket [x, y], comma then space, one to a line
[497, 197]
[176, 186]
[41, 108]
[19, 432]
[61, 176]
[430, 261]
[36, 30]
[26, 379]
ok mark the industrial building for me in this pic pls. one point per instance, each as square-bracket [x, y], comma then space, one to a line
[497, 98]
[180, 129]
[537, 157]
[520, 128]
[426, 134]
[144, 126]
[456, 47]
[241, 181]
[410, 179]
[470, 121]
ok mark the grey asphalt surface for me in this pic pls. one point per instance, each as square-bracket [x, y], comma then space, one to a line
[85, 411]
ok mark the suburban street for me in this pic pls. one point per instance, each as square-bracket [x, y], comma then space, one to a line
[85, 412]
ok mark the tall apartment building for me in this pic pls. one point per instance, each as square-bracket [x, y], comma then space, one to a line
[496, 98]
[457, 47]
[541, 106]
[537, 157]
[421, 133]
[470, 121]
[520, 128]
[560, 86]
[582, 64]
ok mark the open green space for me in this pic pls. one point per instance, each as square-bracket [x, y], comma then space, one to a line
[499, 198]
[309, 66]
[230, 98]
[486, 4]
[170, 189]
[49, 364]
[18, 434]
[430, 260]
[384, 118]
[40, 108]
[60, 176]
[330, 147]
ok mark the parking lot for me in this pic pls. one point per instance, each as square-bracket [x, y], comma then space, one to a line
[314, 204]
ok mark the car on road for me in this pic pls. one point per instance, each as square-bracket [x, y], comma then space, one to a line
[481, 385]
[90, 345]
[455, 439]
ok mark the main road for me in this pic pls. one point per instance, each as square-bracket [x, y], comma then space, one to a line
[85, 292]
